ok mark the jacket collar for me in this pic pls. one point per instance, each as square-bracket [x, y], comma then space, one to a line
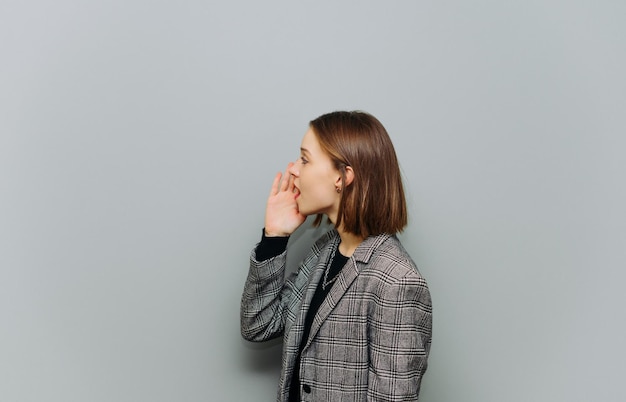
[346, 276]
[364, 251]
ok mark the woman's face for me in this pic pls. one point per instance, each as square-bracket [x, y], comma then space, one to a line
[316, 179]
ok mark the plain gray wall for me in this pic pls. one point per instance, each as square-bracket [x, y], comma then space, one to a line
[139, 140]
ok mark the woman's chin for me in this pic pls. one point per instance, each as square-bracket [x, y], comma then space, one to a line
[307, 212]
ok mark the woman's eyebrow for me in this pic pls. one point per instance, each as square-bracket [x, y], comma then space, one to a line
[304, 151]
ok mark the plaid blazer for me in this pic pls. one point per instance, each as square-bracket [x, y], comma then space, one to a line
[371, 336]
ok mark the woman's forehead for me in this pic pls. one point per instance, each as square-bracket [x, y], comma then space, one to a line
[310, 143]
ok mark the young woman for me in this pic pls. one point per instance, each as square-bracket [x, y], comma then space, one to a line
[357, 316]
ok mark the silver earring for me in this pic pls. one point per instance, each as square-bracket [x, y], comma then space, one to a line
[338, 190]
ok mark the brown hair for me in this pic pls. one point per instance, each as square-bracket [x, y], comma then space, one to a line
[374, 202]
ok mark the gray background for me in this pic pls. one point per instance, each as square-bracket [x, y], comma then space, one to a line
[139, 140]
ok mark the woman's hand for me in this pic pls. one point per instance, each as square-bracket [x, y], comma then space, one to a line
[282, 216]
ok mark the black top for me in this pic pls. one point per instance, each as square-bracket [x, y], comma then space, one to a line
[271, 247]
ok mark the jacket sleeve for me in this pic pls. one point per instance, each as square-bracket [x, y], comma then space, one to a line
[270, 301]
[264, 300]
[400, 336]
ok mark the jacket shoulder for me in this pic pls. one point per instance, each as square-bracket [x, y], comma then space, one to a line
[391, 262]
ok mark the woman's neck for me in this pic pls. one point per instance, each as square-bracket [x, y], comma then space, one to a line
[349, 242]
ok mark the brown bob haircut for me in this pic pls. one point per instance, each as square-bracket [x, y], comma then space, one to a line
[374, 202]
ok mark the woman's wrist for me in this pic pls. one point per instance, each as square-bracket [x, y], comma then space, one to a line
[270, 233]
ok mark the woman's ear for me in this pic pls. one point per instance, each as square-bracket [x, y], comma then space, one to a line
[349, 175]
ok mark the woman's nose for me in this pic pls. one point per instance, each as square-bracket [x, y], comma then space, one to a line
[293, 169]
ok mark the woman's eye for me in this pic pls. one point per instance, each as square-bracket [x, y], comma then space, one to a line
[304, 161]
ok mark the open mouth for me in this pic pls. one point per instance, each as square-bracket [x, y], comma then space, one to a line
[296, 191]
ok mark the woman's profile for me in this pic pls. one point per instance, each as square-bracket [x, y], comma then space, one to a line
[356, 317]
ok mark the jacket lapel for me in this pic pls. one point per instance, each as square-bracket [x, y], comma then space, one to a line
[346, 276]
[317, 272]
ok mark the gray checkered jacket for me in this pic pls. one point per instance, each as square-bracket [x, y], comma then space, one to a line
[371, 336]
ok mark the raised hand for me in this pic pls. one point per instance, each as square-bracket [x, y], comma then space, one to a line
[282, 216]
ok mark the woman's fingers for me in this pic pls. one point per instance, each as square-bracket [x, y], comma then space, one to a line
[291, 186]
[283, 181]
[275, 183]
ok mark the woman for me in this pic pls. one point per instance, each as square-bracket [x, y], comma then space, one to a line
[356, 316]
